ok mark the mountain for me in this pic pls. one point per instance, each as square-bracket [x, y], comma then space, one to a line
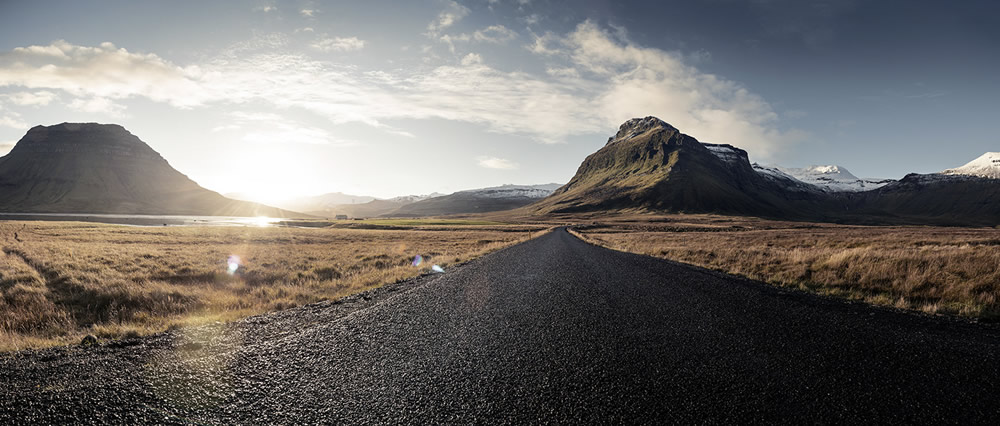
[967, 195]
[497, 198]
[315, 203]
[940, 199]
[407, 199]
[373, 207]
[831, 178]
[102, 168]
[472, 201]
[650, 165]
[986, 166]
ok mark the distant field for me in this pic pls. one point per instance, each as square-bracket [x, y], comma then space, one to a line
[428, 222]
[62, 280]
[931, 269]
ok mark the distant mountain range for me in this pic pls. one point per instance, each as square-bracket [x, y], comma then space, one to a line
[828, 178]
[651, 166]
[481, 200]
[102, 168]
[316, 203]
[647, 166]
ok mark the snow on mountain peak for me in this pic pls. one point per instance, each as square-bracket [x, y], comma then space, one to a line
[516, 191]
[830, 178]
[987, 165]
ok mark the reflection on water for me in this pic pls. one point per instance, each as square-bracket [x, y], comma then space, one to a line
[147, 220]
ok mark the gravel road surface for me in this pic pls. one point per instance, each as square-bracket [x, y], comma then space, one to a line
[553, 330]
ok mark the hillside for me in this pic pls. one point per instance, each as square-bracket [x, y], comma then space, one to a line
[498, 198]
[650, 165]
[102, 168]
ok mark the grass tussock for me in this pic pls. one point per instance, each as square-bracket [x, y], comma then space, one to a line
[61, 281]
[930, 269]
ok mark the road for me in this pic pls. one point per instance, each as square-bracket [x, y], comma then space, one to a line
[551, 330]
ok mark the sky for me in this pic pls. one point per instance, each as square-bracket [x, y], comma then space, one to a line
[288, 98]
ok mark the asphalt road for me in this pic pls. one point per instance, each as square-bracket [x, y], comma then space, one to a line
[551, 330]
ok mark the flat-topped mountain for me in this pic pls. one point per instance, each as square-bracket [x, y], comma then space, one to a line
[102, 168]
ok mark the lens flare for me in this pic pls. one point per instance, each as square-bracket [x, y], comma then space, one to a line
[418, 260]
[437, 269]
[234, 263]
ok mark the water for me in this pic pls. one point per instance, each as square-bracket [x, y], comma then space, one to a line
[148, 220]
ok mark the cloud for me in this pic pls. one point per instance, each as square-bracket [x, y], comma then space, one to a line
[5, 147]
[307, 12]
[98, 106]
[495, 34]
[271, 128]
[634, 81]
[496, 163]
[13, 121]
[472, 59]
[339, 44]
[40, 98]
[453, 13]
[104, 72]
[289, 134]
[265, 9]
[594, 80]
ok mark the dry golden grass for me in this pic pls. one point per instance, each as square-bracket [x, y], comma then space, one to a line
[61, 281]
[931, 269]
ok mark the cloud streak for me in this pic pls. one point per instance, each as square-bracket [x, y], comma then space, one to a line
[594, 80]
[338, 44]
[496, 163]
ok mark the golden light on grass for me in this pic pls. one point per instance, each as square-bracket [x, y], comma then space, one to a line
[929, 269]
[62, 281]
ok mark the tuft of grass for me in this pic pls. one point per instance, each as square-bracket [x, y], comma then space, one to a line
[60, 281]
[930, 269]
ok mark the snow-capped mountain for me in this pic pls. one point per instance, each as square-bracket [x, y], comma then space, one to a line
[826, 178]
[834, 178]
[987, 166]
[414, 198]
[515, 191]
[481, 200]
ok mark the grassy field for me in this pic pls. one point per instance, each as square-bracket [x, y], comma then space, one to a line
[931, 269]
[426, 222]
[60, 281]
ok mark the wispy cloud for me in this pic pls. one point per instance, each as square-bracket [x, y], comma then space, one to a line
[594, 80]
[452, 13]
[338, 44]
[5, 147]
[272, 128]
[104, 71]
[307, 12]
[40, 98]
[13, 121]
[98, 105]
[496, 163]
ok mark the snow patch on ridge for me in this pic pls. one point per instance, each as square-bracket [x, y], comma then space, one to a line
[727, 153]
[832, 178]
[515, 191]
[987, 166]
